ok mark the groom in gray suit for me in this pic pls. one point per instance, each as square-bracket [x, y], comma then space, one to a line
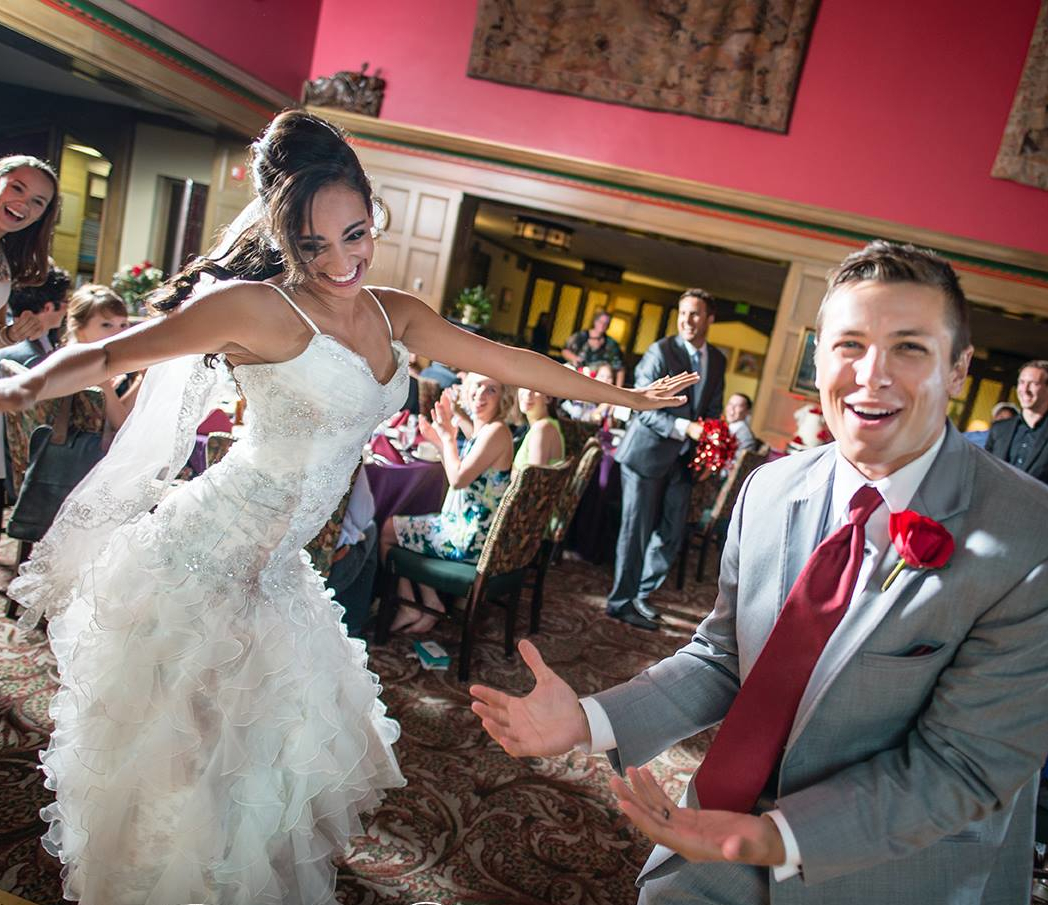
[906, 767]
[654, 457]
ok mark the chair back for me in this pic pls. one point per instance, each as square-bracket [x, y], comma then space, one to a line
[218, 444]
[87, 413]
[731, 488]
[576, 435]
[428, 394]
[523, 517]
[585, 468]
[321, 550]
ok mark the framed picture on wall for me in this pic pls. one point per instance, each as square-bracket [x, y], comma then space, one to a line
[804, 372]
[749, 364]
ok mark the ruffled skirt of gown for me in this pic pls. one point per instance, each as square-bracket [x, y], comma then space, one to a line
[217, 734]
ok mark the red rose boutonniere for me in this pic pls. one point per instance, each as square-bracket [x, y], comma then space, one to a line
[922, 543]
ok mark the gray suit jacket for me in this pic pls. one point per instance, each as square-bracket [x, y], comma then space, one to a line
[906, 778]
[648, 446]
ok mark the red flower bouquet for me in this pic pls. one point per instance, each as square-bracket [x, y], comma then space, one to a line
[921, 542]
[715, 449]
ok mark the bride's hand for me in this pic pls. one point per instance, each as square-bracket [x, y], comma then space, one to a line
[664, 392]
[14, 397]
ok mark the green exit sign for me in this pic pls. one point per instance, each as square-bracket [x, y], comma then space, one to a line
[742, 308]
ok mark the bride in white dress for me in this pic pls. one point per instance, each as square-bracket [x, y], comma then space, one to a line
[217, 735]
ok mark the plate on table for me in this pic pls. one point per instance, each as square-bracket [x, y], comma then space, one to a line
[426, 452]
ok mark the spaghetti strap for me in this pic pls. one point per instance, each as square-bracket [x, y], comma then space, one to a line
[383, 310]
[302, 314]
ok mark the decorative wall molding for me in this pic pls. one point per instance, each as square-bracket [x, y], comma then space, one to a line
[805, 231]
[141, 51]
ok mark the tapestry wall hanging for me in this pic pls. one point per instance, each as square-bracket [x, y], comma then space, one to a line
[1023, 155]
[733, 60]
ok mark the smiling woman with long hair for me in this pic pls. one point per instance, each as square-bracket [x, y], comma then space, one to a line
[28, 213]
[217, 735]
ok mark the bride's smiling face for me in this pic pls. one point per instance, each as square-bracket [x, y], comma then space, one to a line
[336, 243]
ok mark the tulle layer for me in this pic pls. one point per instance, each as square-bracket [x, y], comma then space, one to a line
[216, 738]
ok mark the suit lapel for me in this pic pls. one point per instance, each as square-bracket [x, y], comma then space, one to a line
[945, 492]
[1037, 446]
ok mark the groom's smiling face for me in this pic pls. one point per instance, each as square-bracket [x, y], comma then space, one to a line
[884, 371]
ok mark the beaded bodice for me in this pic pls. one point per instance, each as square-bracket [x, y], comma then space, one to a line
[307, 421]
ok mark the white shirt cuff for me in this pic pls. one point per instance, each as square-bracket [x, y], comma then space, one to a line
[680, 428]
[792, 865]
[602, 736]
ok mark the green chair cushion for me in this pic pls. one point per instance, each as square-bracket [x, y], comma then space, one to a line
[446, 576]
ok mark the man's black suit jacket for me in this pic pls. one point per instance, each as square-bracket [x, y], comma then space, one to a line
[1000, 441]
[648, 446]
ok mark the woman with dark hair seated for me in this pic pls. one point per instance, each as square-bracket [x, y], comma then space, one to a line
[46, 305]
[217, 735]
[543, 444]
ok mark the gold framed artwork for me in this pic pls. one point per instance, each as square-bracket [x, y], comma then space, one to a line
[804, 371]
[749, 364]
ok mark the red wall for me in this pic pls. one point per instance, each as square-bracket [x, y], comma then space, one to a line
[899, 111]
[271, 39]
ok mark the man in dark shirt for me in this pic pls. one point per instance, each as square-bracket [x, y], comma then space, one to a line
[1023, 441]
[589, 348]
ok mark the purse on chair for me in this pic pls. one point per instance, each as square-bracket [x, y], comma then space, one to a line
[59, 459]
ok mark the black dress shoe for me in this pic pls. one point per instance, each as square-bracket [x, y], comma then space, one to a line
[630, 616]
[648, 612]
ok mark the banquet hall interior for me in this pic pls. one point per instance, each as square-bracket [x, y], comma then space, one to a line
[563, 194]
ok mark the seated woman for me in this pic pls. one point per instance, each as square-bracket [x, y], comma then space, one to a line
[544, 441]
[96, 312]
[591, 412]
[477, 479]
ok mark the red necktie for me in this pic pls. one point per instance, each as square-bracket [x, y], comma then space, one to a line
[753, 735]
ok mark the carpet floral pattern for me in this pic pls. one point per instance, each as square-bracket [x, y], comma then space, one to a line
[472, 825]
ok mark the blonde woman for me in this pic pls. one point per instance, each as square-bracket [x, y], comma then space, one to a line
[477, 479]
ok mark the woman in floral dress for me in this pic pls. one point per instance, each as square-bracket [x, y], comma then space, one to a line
[477, 478]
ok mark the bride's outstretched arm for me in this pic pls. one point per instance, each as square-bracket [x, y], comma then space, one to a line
[225, 317]
[424, 331]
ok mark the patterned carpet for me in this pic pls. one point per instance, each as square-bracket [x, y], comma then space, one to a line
[472, 825]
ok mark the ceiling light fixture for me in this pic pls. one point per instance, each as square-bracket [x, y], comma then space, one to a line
[543, 233]
[84, 149]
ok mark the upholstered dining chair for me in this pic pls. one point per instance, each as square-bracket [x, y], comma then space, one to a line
[218, 444]
[576, 435]
[515, 536]
[708, 524]
[563, 513]
[86, 413]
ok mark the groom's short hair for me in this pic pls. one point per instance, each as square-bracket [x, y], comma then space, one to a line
[890, 262]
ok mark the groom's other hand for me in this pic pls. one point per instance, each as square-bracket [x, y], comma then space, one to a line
[695, 834]
[548, 720]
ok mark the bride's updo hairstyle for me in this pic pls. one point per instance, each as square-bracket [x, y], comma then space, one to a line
[296, 156]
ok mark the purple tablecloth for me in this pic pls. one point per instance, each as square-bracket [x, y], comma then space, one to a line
[412, 489]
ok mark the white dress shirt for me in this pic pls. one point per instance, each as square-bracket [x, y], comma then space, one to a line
[897, 489]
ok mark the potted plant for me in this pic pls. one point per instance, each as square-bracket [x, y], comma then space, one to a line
[133, 282]
[473, 306]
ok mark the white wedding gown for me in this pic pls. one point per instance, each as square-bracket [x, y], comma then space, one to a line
[217, 734]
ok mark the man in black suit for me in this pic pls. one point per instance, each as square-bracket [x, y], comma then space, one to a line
[48, 302]
[1023, 442]
[654, 455]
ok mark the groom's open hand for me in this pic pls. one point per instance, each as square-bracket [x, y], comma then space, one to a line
[695, 834]
[548, 720]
